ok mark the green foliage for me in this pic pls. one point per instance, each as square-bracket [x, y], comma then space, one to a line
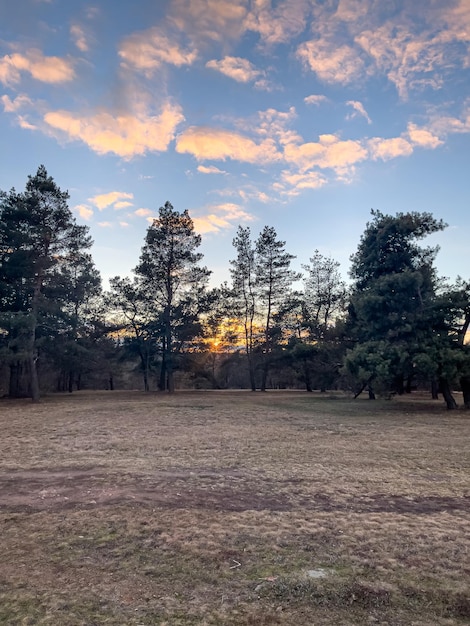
[46, 275]
[403, 325]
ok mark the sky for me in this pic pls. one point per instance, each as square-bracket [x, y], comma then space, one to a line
[298, 114]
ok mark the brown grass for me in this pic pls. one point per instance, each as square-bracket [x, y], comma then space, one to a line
[211, 507]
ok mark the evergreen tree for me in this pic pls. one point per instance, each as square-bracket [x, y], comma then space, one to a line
[395, 321]
[37, 235]
[274, 280]
[242, 302]
[169, 272]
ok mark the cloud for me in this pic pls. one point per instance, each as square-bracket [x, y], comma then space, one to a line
[105, 224]
[79, 37]
[214, 143]
[150, 49]
[103, 200]
[143, 212]
[358, 110]
[208, 20]
[33, 62]
[408, 59]
[277, 24]
[84, 211]
[124, 224]
[212, 169]
[221, 217]
[237, 68]
[315, 99]
[12, 106]
[123, 204]
[126, 134]
[299, 182]
[445, 124]
[329, 152]
[422, 137]
[387, 149]
[331, 62]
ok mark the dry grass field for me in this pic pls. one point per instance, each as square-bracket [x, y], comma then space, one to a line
[233, 508]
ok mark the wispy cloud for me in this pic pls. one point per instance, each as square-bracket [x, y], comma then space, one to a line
[148, 50]
[12, 106]
[44, 69]
[358, 110]
[280, 23]
[208, 20]
[315, 99]
[331, 62]
[211, 169]
[79, 37]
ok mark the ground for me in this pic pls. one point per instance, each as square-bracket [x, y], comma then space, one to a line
[216, 508]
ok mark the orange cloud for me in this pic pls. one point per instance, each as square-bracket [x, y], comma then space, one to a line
[212, 169]
[328, 152]
[221, 217]
[213, 143]
[103, 200]
[125, 135]
[143, 212]
[84, 211]
[33, 62]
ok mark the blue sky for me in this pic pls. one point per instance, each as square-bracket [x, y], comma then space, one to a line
[297, 114]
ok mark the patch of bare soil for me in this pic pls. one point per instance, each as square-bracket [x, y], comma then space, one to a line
[57, 489]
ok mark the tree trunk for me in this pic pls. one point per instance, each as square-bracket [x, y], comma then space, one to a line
[307, 378]
[18, 385]
[434, 390]
[264, 373]
[447, 393]
[33, 375]
[252, 373]
[465, 385]
[70, 382]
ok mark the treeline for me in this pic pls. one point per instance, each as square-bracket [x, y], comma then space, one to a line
[397, 327]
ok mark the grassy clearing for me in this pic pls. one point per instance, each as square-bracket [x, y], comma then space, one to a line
[212, 507]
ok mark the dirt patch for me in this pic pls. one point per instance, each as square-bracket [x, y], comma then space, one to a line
[64, 488]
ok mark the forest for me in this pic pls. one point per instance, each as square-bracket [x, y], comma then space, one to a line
[397, 327]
